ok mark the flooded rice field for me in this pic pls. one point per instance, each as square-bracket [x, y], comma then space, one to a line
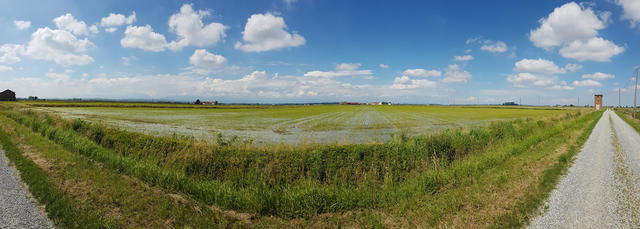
[296, 124]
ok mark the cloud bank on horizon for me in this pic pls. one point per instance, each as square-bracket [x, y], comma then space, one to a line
[292, 51]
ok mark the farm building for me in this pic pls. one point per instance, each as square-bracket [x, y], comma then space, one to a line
[7, 95]
[597, 103]
[379, 103]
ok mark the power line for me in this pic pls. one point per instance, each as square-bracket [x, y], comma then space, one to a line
[635, 94]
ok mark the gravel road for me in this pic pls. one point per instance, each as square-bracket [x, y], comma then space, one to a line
[17, 208]
[601, 188]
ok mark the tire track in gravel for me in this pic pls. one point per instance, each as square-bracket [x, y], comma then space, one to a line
[601, 189]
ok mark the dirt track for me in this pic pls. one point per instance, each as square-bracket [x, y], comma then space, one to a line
[601, 188]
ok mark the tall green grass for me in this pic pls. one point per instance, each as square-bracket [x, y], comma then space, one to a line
[60, 209]
[328, 164]
[298, 181]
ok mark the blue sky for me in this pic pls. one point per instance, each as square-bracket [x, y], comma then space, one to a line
[316, 51]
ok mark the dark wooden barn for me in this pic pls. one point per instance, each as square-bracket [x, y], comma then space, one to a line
[7, 95]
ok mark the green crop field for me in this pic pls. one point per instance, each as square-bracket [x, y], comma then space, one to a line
[150, 165]
[290, 124]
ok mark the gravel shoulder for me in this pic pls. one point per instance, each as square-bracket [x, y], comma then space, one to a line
[600, 190]
[17, 208]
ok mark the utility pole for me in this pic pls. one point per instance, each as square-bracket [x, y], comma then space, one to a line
[619, 104]
[520, 101]
[538, 100]
[635, 94]
[578, 100]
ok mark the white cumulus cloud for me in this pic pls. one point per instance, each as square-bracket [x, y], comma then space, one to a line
[526, 79]
[419, 72]
[575, 27]
[144, 38]
[598, 76]
[563, 86]
[113, 21]
[405, 82]
[538, 73]
[538, 66]
[126, 60]
[264, 32]
[587, 83]
[631, 9]
[595, 49]
[521, 77]
[10, 53]
[565, 24]
[204, 62]
[463, 58]
[572, 67]
[494, 47]
[57, 76]
[345, 69]
[22, 25]
[383, 66]
[59, 46]
[455, 74]
[68, 23]
[4, 68]
[188, 25]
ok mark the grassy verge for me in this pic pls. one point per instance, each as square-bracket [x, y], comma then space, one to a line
[119, 200]
[625, 114]
[537, 194]
[494, 195]
[60, 209]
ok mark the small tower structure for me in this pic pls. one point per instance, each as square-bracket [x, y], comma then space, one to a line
[597, 101]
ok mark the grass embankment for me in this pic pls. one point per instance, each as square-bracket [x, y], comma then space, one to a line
[80, 193]
[503, 187]
[536, 194]
[285, 182]
[303, 182]
[59, 207]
